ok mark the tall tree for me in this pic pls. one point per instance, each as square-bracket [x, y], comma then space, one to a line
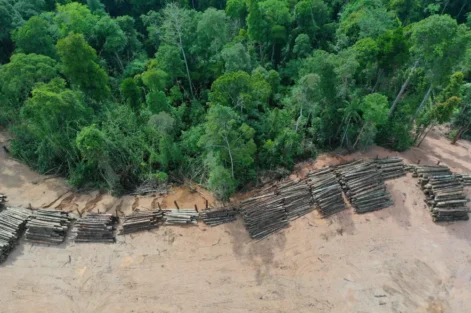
[79, 65]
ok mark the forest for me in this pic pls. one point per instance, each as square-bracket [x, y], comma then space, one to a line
[116, 93]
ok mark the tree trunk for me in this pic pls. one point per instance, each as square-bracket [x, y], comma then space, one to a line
[461, 10]
[186, 65]
[119, 62]
[378, 77]
[425, 135]
[299, 118]
[403, 88]
[421, 106]
[359, 135]
[457, 136]
[230, 155]
[346, 129]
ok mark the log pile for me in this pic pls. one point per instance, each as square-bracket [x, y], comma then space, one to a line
[48, 226]
[218, 216]
[180, 216]
[141, 220]
[3, 200]
[264, 215]
[12, 225]
[390, 167]
[326, 191]
[428, 170]
[445, 197]
[297, 198]
[96, 228]
[363, 186]
[465, 179]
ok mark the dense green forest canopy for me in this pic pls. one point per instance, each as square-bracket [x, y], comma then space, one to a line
[114, 93]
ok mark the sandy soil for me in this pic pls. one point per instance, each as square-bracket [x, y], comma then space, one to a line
[394, 260]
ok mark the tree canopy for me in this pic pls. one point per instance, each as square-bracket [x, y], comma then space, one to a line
[114, 93]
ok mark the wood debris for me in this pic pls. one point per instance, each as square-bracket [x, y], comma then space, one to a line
[326, 191]
[363, 185]
[218, 216]
[180, 217]
[48, 226]
[141, 220]
[96, 228]
[390, 167]
[12, 226]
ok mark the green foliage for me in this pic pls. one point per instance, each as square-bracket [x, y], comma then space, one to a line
[80, 67]
[18, 77]
[35, 36]
[218, 91]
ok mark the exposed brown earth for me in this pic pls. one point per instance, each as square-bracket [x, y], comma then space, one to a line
[394, 260]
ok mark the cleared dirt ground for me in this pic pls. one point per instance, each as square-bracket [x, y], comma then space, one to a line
[394, 260]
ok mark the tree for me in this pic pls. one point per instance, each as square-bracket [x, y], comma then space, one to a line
[80, 67]
[109, 40]
[18, 77]
[307, 95]
[175, 28]
[230, 143]
[375, 113]
[131, 93]
[75, 18]
[439, 43]
[51, 119]
[35, 36]
[244, 92]
[236, 58]
[462, 117]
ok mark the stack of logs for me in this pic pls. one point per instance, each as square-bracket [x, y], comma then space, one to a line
[444, 192]
[428, 170]
[48, 226]
[218, 216]
[297, 198]
[326, 191]
[364, 186]
[264, 215]
[3, 200]
[96, 228]
[180, 216]
[465, 179]
[390, 167]
[141, 220]
[12, 225]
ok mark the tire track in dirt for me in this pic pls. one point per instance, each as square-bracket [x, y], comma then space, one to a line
[66, 202]
[91, 204]
[55, 200]
[135, 204]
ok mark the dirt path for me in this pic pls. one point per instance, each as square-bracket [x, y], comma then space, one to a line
[394, 260]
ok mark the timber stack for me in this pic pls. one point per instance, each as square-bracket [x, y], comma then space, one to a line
[181, 217]
[142, 220]
[326, 191]
[3, 200]
[465, 179]
[390, 167]
[218, 216]
[48, 226]
[96, 228]
[12, 225]
[429, 170]
[264, 215]
[445, 197]
[363, 186]
[297, 198]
